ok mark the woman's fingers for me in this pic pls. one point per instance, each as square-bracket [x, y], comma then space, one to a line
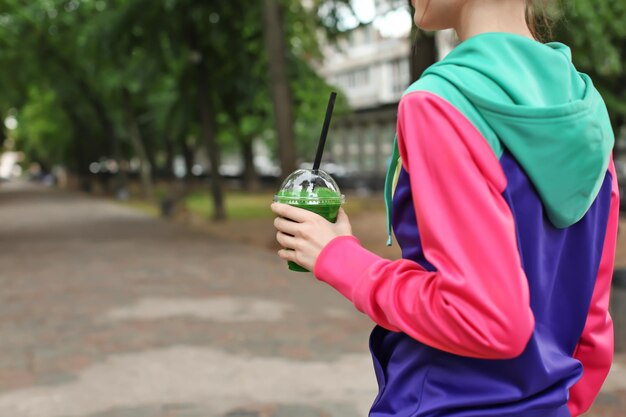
[290, 212]
[286, 241]
[287, 255]
[343, 222]
[303, 234]
[286, 226]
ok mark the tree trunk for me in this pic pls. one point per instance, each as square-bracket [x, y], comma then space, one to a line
[169, 156]
[98, 107]
[207, 121]
[246, 142]
[145, 169]
[79, 134]
[150, 150]
[250, 177]
[169, 145]
[188, 155]
[281, 92]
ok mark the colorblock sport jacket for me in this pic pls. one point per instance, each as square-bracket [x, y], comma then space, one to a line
[505, 206]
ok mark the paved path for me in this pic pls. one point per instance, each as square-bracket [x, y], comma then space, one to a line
[107, 313]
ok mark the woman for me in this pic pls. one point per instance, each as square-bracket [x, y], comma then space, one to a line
[506, 210]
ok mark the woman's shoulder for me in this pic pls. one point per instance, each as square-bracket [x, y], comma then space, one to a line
[432, 84]
[439, 88]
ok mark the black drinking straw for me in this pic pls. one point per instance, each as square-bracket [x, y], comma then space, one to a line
[322, 142]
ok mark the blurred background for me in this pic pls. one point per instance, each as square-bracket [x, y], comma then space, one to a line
[140, 146]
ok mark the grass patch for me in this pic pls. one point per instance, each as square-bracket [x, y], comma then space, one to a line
[238, 205]
[145, 206]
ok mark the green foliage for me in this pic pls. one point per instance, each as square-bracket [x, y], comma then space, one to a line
[76, 70]
[42, 132]
[78, 63]
[311, 98]
[596, 32]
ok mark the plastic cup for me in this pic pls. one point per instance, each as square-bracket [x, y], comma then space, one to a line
[313, 190]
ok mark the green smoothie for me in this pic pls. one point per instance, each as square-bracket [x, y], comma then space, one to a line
[321, 200]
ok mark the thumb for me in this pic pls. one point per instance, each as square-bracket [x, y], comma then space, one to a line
[343, 222]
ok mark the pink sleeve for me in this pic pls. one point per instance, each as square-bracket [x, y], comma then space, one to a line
[595, 347]
[476, 303]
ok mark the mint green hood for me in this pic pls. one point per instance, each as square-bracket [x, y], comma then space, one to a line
[527, 97]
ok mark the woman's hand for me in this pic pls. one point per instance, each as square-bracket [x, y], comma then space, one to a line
[305, 233]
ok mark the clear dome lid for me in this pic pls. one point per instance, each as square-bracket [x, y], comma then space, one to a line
[308, 186]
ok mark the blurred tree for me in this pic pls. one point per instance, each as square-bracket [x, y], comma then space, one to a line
[235, 81]
[41, 41]
[45, 126]
[147, 80]
[596, 32]
[281, 91]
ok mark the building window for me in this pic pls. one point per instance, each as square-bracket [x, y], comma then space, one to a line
[362, 76]
[355, 78]
[369, 148]
[367, 34]
[337, 150]
[399, 75]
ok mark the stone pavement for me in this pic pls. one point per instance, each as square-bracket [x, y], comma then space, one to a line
[105, 312]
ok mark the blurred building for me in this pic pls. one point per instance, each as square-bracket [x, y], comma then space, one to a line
[9, 166]
[372, 71]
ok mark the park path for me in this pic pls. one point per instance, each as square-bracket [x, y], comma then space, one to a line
[105, 312]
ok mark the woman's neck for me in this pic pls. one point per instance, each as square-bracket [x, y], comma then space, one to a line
[481, 16]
